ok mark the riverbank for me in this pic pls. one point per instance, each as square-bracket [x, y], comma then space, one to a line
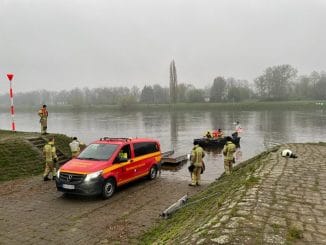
[267, 200]
[248, 105]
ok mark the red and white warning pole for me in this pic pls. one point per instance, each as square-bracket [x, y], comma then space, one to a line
[12, 109]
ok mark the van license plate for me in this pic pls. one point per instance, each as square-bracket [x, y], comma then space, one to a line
[70, 187]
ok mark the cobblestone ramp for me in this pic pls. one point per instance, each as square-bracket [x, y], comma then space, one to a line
[285, 206]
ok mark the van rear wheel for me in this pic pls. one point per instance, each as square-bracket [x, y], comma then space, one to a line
[152, 172]
[108, 188]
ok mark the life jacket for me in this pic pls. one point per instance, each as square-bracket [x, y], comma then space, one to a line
[43, 112]
[215, 133]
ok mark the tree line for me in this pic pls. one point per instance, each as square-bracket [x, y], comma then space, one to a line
[276, 83]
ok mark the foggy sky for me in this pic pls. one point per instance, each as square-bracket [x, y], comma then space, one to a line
[62, 44]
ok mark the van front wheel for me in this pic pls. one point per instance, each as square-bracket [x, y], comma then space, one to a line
[108, 188]
[152, 172]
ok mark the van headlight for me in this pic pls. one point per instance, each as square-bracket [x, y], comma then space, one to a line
[93, 175]
[58, 174]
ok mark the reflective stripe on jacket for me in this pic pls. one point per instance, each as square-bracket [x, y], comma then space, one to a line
[43, 113]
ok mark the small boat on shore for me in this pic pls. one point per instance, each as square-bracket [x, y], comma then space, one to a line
[216, 142]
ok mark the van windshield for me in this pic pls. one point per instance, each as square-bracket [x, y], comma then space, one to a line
[97, 152]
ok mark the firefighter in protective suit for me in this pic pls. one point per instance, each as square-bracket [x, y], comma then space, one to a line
[123, 154]
[74, 147]
[228, 152]
[51, 158]
[43, 114]
[197, 155]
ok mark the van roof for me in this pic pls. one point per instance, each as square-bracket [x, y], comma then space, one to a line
[120, 141]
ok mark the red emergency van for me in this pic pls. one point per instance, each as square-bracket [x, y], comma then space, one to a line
[108, 163]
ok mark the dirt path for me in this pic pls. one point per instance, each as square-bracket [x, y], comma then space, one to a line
[33, 212]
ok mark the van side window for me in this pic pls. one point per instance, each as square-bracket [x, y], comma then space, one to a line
[144, 148]
[126, 149]
[123, 153]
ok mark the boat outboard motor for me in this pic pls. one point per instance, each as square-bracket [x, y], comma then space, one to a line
[288, 153]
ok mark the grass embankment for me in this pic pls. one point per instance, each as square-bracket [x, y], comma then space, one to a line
[205, 205]
[248, 105]
[19, 158]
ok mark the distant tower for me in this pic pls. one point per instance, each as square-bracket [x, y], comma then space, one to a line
[173, 83]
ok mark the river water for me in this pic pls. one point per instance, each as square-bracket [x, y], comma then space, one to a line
[176, 130]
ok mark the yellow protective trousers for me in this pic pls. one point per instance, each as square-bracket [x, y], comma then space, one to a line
[228, 166]
[195, 176]
[49, 167]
